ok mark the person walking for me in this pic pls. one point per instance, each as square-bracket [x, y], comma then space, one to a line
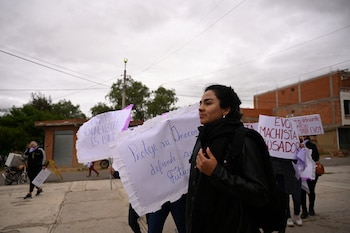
[296, 198]
[156, 220]
[311, 183]
[132, 216]
[35, 162]
[91, 167]
[218, 200]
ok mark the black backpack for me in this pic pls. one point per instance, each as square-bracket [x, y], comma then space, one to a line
[272, 216]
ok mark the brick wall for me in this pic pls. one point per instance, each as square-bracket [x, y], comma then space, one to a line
[315, 96]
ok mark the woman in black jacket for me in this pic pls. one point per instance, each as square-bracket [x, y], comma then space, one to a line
[217, 197]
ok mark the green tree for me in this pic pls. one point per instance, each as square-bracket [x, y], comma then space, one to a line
[66, 110]
[136, 93]
[100, 108]
[40, 102]
[163, 101]
[146, 104]
[17, 128]
[17, 125]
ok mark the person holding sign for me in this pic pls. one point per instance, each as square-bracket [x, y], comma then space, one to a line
[36, 161]
[216, 196]
[311, 183]
[133, 216]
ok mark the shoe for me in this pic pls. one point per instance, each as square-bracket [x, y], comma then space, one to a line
[39, 191]
[88, 176]
[98, 174]
[304, 214]
[312, 212]
[298, 220]
[290, 222]
[28, 196]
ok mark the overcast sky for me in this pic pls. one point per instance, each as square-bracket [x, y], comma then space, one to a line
[74, 50]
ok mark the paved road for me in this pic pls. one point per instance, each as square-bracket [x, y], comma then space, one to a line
[89, 205]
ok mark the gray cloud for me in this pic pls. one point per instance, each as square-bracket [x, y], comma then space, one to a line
[252, 45]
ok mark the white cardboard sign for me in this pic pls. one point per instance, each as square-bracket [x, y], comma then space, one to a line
[280, 137]
[95, 135]
[153, 159]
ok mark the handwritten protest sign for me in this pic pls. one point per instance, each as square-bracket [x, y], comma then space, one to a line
[153, 159]
[308, 125]
[279, 135]
[95, 135]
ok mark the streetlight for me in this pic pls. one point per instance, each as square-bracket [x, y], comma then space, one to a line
[124, 86]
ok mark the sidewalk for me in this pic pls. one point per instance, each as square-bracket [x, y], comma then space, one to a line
[91, 206]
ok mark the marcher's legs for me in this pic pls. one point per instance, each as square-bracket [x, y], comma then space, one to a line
[31, 175]
[157, 219]
[297, 198]
[304, 212]
[296, 195]
[132, 220]
[284, 196]
[287, 207]
[312, 195]
[178, 211]
[92, 168]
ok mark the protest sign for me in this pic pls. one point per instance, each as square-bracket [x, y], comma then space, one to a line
[279, 135]
[153, 159]
[254, 126]
[305, 166]
[95, 135]
[41, 177]
[308, 125]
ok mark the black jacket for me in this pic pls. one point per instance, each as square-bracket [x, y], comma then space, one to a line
[315, 155]
[35, 159]
[218, 203]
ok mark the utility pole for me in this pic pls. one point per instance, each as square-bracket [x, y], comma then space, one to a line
[124, 85]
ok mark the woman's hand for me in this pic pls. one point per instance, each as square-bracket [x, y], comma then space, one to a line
[206, 162]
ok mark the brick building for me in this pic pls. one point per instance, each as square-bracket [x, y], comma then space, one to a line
[327, 95]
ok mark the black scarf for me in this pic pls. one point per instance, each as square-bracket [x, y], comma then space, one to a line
[224, 127]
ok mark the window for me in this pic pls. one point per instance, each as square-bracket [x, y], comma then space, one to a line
[347, 107]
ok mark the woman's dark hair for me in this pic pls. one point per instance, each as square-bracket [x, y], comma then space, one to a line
[228, 98]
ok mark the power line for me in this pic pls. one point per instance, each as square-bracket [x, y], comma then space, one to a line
[267, 55]
[287, 78]
[49, 67]
[54, 89]
[193, 38]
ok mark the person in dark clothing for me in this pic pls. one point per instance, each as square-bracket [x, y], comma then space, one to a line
[156, 220]
[288, 185]
[217, 199]
[133, 216]
[311, 183]
[36, 161]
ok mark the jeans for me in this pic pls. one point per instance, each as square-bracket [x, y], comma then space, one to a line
[132, 220]
[177, 209]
